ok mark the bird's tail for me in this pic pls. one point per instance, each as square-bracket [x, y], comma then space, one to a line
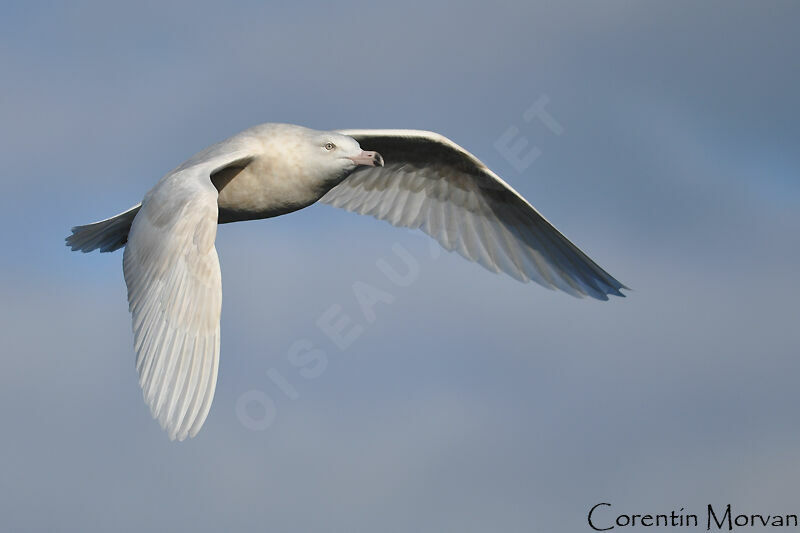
[107, 235]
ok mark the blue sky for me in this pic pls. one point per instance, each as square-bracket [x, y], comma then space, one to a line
[471, 402]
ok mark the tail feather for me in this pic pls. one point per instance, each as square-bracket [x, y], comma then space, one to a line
[107, 235]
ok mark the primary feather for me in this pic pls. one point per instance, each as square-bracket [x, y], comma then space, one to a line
[175, 297]
[431, 183]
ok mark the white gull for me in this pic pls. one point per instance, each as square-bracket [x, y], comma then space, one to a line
[410, 178]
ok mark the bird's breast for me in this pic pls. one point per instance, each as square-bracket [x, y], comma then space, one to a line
[264, 190]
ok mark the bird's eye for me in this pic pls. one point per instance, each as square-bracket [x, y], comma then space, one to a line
[329, 146]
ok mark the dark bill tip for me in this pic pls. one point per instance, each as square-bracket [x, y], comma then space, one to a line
[372, 159]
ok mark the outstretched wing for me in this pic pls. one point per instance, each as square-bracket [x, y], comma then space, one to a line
[431, 183]
[175, 295]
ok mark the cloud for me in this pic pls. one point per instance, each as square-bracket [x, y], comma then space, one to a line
[471, 402]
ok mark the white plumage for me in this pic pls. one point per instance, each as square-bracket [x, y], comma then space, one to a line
[428, 182]
[175, 297]
[449, 194]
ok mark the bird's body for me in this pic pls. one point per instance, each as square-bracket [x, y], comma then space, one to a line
[276, 180]
[428, 182]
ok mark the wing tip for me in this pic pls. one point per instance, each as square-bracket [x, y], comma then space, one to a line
[616, 292]
[172, 428]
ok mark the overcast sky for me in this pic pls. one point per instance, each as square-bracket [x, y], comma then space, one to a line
[471, 402]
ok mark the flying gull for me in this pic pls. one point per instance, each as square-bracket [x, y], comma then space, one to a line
[410, 178]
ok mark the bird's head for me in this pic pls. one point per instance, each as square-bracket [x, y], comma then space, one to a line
[320, 158]
[335, 156]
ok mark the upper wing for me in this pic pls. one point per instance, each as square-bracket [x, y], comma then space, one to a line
[431, 183]
[175, 295]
